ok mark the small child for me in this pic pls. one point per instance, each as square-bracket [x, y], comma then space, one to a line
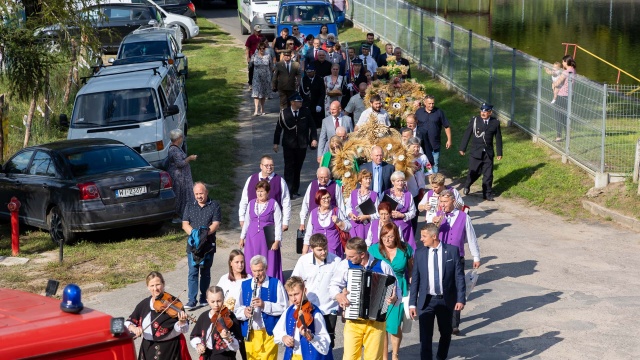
[210, 343]
[302, 340]
[555, 73]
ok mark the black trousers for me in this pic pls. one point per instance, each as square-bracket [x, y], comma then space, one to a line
[455, 321]
[435, 310]
[330, 320]
[293, 161]
[250, 73]
[484, 167]
[561, 115]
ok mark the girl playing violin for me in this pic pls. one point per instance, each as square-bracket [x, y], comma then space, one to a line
[302, 328]
[161, 322]
[217, 333]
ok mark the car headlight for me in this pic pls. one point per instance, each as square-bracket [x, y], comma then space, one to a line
[151, 147]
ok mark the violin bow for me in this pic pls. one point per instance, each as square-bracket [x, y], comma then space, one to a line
[162, 312]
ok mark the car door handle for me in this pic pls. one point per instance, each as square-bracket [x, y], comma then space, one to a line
[45, 186]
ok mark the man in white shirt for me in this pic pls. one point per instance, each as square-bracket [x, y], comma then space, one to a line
[329, 126]
[367, 60]
[375, 111]
[360, 332]
[279, 191]
[316, 269]
[261, 301]
[323, 181]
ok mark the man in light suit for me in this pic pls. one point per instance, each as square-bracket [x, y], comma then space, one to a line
[381, 171]
[481, 131]
[286, 78]
[437, 289]
[329, 126]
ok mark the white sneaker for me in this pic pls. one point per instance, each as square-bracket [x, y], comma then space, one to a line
[553, 101]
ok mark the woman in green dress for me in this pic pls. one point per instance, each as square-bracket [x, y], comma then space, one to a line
[400, 257]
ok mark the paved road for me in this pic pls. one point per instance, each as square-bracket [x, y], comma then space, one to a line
[548, 288]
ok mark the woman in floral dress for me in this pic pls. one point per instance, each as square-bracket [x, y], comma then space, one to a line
[262, 69]
[332, 82]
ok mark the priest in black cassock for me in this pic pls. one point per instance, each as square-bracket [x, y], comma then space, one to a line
[313, 91]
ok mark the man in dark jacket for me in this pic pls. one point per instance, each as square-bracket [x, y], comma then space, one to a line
[298, 131]
[312, 90]
[481, 131]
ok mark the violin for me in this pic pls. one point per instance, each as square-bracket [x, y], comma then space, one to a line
[222, 320]
[304, 316]
[170, 305]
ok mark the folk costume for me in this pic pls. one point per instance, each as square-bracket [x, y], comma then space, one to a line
[260, 344]
[162, 339]
[278, 191]
[317, 349]
[323, 224]
[259, 216]
[361, 228]
[408, 208]
[205, 332]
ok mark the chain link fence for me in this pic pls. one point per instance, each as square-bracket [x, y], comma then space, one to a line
[597, 126]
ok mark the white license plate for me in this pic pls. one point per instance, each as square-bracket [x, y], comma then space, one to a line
[134, 191]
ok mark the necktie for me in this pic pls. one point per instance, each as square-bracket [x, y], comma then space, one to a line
[486, 122]
[295, 114]
[377, 175]
[288, 68]
[436, 272]
[315, 54]
[337, 123]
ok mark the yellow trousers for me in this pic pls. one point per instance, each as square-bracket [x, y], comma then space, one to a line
[261, 346]
[296, 357]
[367, 333]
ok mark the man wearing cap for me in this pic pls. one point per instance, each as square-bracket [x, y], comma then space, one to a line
[312, 90]
[481, 131]
[373, 49]
[353, 78]
[431, 120]
[323, 67]
[376, 111]
[368, 61]
[250, 48]
[298, 131]
[286, 78]
[329, 126]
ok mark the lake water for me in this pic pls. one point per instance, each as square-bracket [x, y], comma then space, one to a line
[608, 28]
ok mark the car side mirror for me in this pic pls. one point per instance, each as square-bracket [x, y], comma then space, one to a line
[179, 56]
[111, 60]
[171, 110]
[64, 121]
[152, 23]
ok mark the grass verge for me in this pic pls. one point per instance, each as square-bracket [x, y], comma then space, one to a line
[116, 258]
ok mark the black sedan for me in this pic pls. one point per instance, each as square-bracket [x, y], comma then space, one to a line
[84, 185]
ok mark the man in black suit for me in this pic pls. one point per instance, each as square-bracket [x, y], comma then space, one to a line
[412, 124]
[298, 131]
[381, 171]
[402, 61]
[322, 66]
[437, 289]
[312, 90]
[483, 128]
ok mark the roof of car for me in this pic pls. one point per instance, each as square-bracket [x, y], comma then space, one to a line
[76, 143]
[126, 76]
[311, 2]
[146, 36]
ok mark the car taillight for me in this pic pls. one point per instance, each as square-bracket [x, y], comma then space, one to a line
[192, 7]
[165, 180]
[88, 191]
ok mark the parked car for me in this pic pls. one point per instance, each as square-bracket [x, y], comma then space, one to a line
[85, 185]
[147, 45]
[309, 15]
[180, 7]
[111, 21]
[258, 12]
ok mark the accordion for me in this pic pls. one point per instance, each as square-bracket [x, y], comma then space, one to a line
[368, 293]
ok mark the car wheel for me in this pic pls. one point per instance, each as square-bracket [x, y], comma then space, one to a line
[185, 35]
[243, 30]
[58, 229]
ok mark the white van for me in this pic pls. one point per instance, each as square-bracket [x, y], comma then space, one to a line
[257, 12]
[137, 104]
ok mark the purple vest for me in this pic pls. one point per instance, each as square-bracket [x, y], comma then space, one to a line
[275, 193]
[260, 221]
[456, 234]
[333, 237]
[331, 188]
[375, 226]
[354, 199]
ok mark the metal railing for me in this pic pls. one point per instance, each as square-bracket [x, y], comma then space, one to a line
[598, 128]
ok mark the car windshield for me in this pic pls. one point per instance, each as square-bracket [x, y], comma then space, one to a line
[116, 107]
[306, 14]
[100, 160]
[144, 49]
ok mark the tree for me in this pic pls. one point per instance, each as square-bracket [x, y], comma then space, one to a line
[34, 43]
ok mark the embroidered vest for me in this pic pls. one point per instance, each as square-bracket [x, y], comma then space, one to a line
[271, 295]
[307, 350]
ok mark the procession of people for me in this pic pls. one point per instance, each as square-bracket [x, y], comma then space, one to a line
[402, 226]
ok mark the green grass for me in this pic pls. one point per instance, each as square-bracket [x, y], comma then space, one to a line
[119, 257]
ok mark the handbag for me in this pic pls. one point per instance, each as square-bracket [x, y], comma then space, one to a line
[344, 235]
